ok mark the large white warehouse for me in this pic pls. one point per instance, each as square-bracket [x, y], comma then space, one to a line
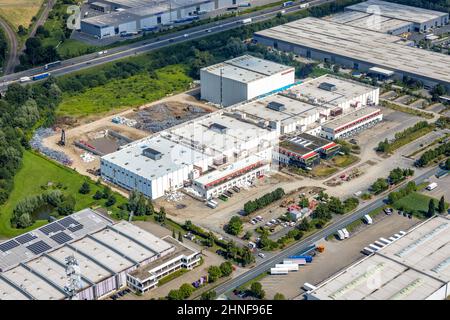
[414, 267]
[243, 78]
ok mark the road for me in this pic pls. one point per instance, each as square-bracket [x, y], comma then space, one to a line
[12, 59]
[90, 60]
[302, 246]
[44, 15]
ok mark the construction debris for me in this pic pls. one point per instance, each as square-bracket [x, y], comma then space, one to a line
[37, 144]
[125, 121]
[87, 157]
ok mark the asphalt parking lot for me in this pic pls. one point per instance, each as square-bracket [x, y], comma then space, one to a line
[337, 256]
[443, 188]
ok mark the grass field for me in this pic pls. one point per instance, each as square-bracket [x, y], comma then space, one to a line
[345, 160]
[415, 203]
[37, 172]
[125, 93]
[322, 170]
[19, 12]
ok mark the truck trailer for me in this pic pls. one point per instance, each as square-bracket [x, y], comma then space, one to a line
[279, 271]
[41, 76]
[289, 267]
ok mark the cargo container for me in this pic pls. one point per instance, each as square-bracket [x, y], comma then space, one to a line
[41, 76]
[374, 247]
[402, 232]
[289, 267]
[392, 239]
[380, 244]
[308, 259]
[278, 271]
[432, 186]
[367, 251]
[309, 287]
[397, 236]
[386, 241]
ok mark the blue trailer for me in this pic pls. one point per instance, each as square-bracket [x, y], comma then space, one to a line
[41, 76]
[308, 259]
[288, 4]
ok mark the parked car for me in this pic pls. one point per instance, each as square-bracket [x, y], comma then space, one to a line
[261, 255]
[388, 211]
[259, 218]
[252, 221]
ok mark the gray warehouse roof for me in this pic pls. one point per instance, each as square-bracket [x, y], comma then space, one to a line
[411, 268]
[362, 45]
[246, 68]
[50, 236]
[398, 11]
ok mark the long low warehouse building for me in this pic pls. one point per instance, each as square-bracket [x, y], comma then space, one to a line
[414, 267]
[133, 16]
[34, 265]
[421, 19]
[357, 48]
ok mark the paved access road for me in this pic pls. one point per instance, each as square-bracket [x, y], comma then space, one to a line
[90, 60]
[302, 246]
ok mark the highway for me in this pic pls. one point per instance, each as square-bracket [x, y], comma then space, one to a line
[302, 246]
[144, 46]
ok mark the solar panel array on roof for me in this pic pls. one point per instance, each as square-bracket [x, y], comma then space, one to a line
[66, 222]
[8, 245]
[27, 237]
[39, 247]
[61, 237]
[76, 227]
[52, 228]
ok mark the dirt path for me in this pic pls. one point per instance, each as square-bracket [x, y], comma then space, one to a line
[13, 57]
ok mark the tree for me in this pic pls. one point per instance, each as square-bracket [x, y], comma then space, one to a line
[304, 203]
[226, 268]
[98, 195]
[247, 235]
[431, 209]
[180, 236]
[247, 257]
[234, 226]
[257, 290]
[379, 186]
[214, 273]
[175, 295]
[106, 192]
[161, 216]
[209, 295]
[67, 206]
[25, 221]
[85, 188]
[441, 205]
[335, 205]
[186, 290]
[111, 200]
[279, 296]
[304, 225]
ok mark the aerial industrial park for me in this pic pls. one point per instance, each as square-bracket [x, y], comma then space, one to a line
[225, 150]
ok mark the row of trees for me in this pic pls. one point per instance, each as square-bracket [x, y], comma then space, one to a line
[395, 176]
[253, 205]
[397, 195]
[386, 146]
[432, 154]
[225, 269]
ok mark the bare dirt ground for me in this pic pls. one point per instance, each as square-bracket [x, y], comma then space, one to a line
[88, 128]
[337, 255]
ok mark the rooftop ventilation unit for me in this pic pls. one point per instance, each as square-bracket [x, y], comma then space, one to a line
[218, 128]
[276, 106]
[152, 153]
[327, 86]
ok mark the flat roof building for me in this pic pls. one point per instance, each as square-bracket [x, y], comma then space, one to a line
[414, 267]
[357, 48]
[105, 257]
[243, 78]
[423, 19]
